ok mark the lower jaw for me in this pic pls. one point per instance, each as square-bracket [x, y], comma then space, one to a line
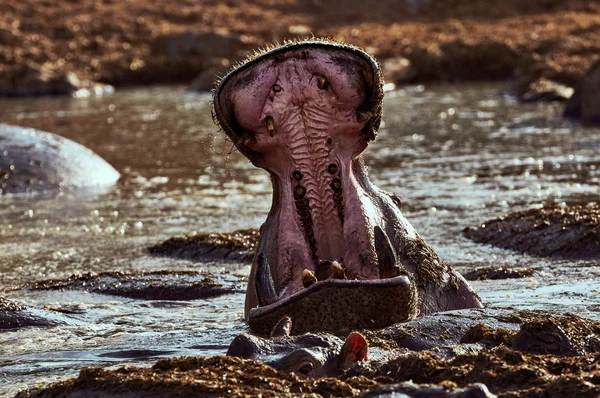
[339, 306]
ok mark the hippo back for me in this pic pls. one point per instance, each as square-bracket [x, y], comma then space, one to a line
[36, 161]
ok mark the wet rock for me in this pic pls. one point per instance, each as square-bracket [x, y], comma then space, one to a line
[397, 70]
[409, 389]
[585, 102]
[35, 80]
[15, 316]
[206, 45]
[36, 161]
[158, 285]
[541, 90]
[235, 246]
[553, 230]
[494, 273]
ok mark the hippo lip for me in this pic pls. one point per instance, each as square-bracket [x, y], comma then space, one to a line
[340, 305]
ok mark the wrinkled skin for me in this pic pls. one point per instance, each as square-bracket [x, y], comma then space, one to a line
[35, 161]
[335, 253]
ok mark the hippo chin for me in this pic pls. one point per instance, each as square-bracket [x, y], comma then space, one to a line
[335, 252]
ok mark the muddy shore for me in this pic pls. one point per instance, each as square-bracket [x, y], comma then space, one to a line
[130, 42]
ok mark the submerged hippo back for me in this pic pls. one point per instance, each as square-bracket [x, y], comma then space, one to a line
[36, 161]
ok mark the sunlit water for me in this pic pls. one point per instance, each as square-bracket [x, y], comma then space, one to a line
[456, 155]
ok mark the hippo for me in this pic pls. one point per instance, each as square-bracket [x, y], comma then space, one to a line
[308, 355]
[35, 161]
[335, 253]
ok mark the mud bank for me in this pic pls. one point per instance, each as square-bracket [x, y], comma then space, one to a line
[552, 230]
[131, 42]
[531, 362]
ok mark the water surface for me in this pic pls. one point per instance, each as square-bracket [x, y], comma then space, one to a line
[457, 156]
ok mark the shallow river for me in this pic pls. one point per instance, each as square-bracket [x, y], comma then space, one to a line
[457, 156]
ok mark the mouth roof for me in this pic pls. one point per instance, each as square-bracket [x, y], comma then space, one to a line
[223, 114]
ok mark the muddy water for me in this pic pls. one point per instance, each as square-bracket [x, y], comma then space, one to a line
[456, 155]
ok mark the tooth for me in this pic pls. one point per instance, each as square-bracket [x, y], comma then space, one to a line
[337, 270]
[322, 83]
[246, 139]
[270, 126]
[283, 328]
[308, 278]
[363, 116]
[265, 287]
[386, 258]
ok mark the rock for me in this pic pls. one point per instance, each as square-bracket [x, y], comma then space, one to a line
[541, 90]
[585, 102]
[397, 70]
[36, 161]
[553, 230]
[207, 45]
[36, 80]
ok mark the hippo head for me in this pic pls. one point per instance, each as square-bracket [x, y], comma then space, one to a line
[335, 250]
[308, 355]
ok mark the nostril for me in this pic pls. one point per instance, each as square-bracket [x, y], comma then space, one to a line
[322, 83]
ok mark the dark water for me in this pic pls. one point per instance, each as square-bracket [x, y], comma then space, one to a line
[456, 155]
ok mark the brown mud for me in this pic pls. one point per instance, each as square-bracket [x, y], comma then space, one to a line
[157, 285]
[554, 230]
[235, 246]
[512, 366]
[140, 42]
[494, 273]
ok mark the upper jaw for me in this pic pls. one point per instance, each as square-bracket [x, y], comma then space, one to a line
[254, 77]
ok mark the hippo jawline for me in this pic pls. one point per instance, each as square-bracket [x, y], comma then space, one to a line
[332, 253]
[336, 305]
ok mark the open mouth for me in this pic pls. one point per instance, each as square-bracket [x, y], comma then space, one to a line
[330, 254]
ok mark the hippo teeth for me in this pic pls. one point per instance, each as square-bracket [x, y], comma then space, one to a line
[386, 257]
[265, 286]
[327, 269]
[308, 278]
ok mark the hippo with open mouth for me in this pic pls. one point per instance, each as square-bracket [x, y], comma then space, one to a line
[335, 253]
